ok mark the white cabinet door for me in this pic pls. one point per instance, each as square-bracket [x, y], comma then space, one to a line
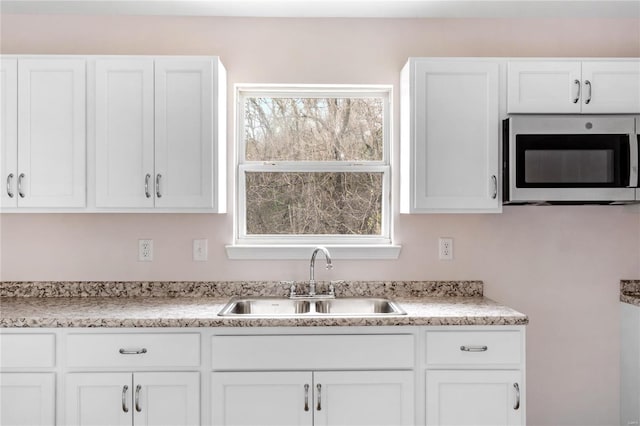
[262, 398]
[98, 399]
[27, 399]
[480, 398]
[184, 133]
[544, 87]
[8, 132]
[171, 398]
[51, 132]
[366, 398]
[455, 142]
[124, 126]
[614, 87]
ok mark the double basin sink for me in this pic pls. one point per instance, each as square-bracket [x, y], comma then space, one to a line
[277, 307]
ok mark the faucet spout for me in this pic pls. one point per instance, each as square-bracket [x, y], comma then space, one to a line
[312, 265]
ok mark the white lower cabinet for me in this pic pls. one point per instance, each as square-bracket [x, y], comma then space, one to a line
[267, 376]
[343, 398]
[27, 399]
[476, 397]
[146, 398]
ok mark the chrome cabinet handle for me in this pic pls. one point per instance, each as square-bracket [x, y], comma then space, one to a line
[146, 185]
[577, 98]
[138, 389]
[306, 397]
[125, 388]
[473, 348]
[158, 193]
[319, 389]
[20, 193]
[494, 179]
[9, 179]
[516, 405]
[133, 351]
[588, 84]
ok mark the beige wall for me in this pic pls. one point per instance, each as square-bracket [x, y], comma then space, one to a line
[560, 265]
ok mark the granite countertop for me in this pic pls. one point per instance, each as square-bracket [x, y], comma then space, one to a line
[174, 305]
[630, 292]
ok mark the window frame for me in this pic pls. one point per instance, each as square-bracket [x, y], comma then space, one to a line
[243, 166]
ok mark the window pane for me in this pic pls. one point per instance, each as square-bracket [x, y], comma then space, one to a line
[314, 203]
[313, 129]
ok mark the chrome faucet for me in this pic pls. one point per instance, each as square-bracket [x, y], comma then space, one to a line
[312, 265]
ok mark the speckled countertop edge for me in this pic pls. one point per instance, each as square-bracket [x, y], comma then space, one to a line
[630, 292]
[171, 304]
[233, 288]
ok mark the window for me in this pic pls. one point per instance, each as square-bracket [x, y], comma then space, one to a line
[313, 165]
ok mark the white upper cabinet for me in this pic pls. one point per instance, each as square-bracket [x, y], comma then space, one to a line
[614, 87]
[160, 134]
[574, 86]
[544, 87]
[124, 123]
[184, 133]
[450, 136]
[43, 133]
[9, 132]
[51, 133]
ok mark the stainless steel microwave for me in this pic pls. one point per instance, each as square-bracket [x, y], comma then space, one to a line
[571, 159]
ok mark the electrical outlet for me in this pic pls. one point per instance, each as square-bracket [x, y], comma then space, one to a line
[446, 248]
[200, 250]
[145, 250]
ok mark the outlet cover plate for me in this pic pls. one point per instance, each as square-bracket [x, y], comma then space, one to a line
[145, 250]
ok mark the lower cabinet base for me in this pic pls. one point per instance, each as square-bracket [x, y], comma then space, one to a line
[372, 398]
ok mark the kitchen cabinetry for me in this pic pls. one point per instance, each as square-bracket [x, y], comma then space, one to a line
[43, 137]
[313, 398]
[371, 387]
[630, 365]
[111, 399]
[27, 379]
[450, 135]
[474, 378]
[149, 398]
[359, 375]
[27, 399]
[574, 86]
[159, 133]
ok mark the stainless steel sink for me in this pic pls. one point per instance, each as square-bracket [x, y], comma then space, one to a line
[277, 307]
[265, 306]
[358, 306]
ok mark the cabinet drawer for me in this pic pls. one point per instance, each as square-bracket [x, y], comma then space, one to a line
[133, 350]
[27, 350]
[473, 347]
[294, 352]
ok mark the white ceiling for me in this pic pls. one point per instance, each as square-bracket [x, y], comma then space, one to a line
[335, 8]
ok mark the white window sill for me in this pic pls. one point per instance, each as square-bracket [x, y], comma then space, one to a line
[303, 252]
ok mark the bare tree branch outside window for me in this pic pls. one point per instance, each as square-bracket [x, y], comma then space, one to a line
[310, 156]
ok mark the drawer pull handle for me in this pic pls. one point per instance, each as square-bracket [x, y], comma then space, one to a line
[473, 348]
[306, 397]
[319, 388]
[517, 403]
[138, 389]
[133, 351]
[125, 388]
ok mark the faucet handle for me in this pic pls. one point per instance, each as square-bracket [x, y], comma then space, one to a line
[291, 286]
[332, 287]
